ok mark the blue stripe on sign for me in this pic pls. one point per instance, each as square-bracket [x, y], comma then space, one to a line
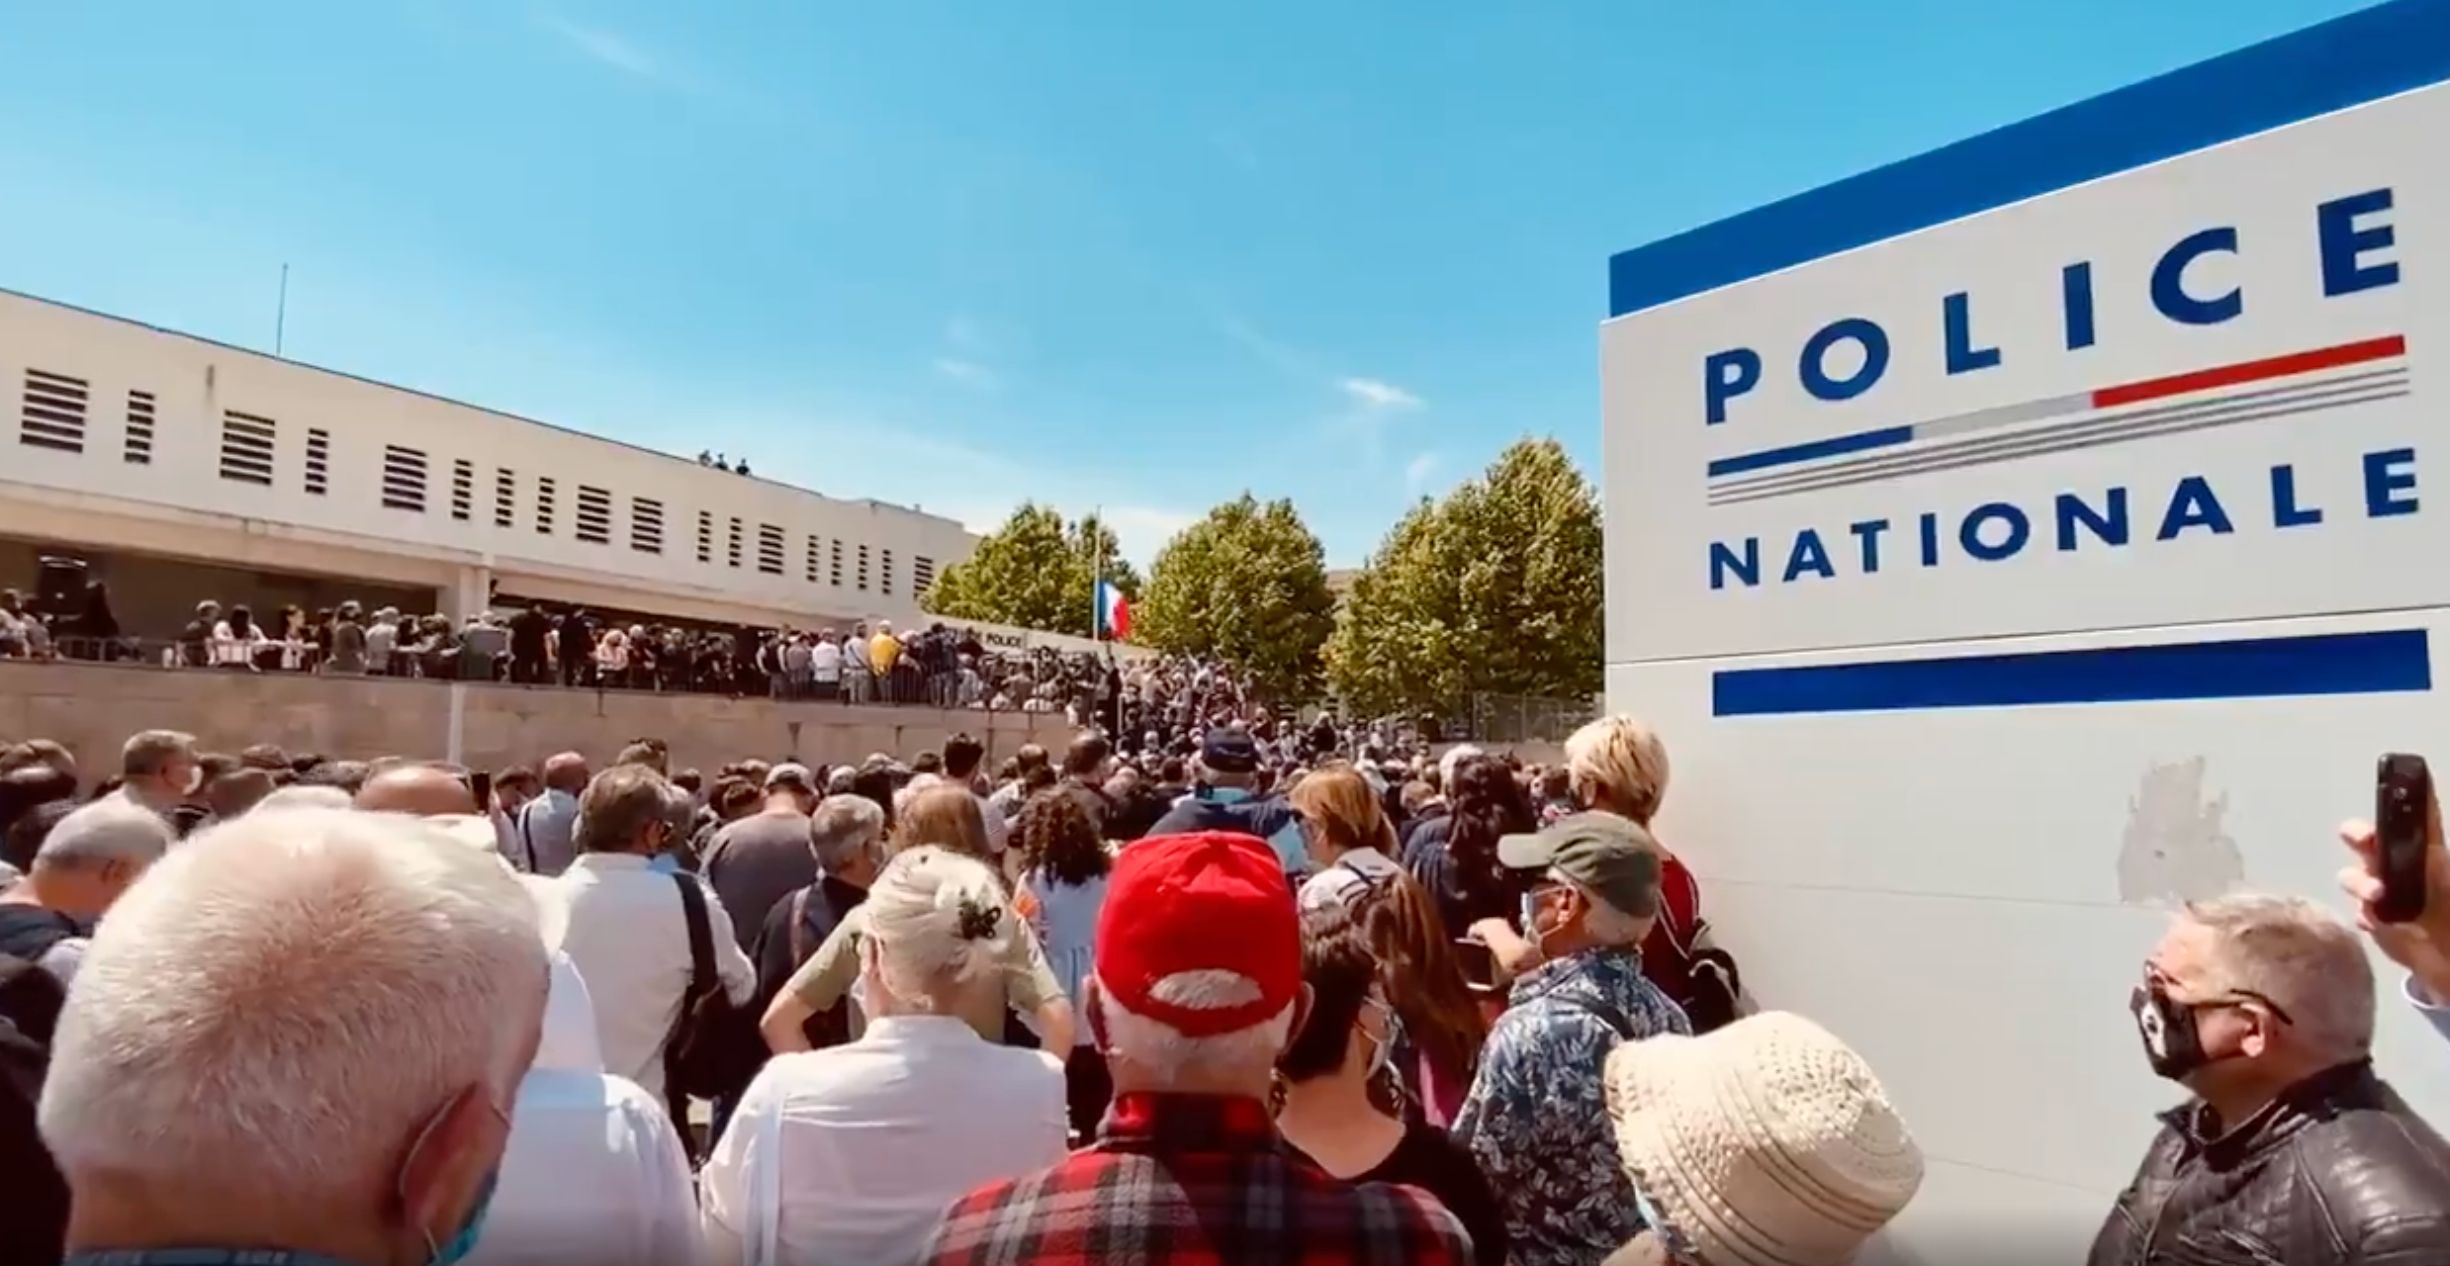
[2345, 62]
[1792, 453]
[2273, 667]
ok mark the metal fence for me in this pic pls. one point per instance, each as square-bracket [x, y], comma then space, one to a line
[1495, 718]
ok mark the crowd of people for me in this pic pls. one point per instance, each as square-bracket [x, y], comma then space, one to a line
[1263, 1004]
[866, 663]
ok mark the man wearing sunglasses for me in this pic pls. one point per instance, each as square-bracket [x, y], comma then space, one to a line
[2291, 1150]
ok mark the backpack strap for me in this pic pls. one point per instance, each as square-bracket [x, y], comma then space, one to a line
[799, 928]
[701, 939]
[527, 838]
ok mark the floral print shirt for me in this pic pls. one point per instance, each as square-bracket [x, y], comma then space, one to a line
[1537, 1117]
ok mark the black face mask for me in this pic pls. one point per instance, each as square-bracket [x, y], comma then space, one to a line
[2172, 1043]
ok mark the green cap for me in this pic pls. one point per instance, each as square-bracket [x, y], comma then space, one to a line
[1602, 853]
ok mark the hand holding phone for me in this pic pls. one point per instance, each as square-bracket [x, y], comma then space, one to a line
[2406, 825]
[2402, 873]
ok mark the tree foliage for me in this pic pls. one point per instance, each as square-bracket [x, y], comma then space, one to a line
[1495, 589]
[1034, 572]
[1249, 583]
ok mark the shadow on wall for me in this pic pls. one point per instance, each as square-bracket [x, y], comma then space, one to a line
[93, 709]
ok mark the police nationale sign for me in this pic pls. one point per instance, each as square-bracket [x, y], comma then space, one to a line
[2188, 392]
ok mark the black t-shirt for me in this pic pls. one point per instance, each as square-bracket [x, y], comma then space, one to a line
[528, 631]
[1426, 1158]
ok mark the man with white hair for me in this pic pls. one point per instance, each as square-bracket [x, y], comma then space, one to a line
[217, 1095]
[82, 868]
[1197, 989]
[2291, 1149]
[159, 770]
[1536, 1117]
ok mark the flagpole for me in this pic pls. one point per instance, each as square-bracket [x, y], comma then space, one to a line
[1097, 575]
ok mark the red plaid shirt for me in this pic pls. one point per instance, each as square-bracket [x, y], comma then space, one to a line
[1194, 1180]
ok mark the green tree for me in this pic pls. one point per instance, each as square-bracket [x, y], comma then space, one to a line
[1033, 572]
[1247, 582]
[1495, 589]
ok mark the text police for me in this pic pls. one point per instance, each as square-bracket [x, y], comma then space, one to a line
[1849, 356]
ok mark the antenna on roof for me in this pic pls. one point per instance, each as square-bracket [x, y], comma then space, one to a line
[280, 314]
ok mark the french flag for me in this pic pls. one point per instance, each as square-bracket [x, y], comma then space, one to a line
[1113, 613]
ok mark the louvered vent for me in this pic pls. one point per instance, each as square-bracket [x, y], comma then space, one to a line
[731, 544]
[505, 497]
[813, 573]
[863, 569]
[706, 536]
[769, 549]
[403, 479]
[54, 412]
[246, 449]
[140, 428]
[646, 525]
[594, 515]
[544, 506]
[463, 489]
[834, 553]
[922, 574]
[318, 461]
[888, 573]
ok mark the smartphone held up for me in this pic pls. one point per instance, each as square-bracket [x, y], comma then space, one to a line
[2403, 812]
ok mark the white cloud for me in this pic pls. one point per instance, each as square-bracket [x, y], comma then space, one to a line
[1140, 531]
[605, 47]
[1370, 393]
[1418, 470]
[968, 373]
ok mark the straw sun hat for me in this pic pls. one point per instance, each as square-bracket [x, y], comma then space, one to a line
[1765, 1143]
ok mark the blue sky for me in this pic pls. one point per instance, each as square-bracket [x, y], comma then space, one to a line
[1133, 256]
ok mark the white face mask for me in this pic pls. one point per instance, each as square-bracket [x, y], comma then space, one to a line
[1382, 1049]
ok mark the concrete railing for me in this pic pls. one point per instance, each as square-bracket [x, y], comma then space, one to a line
[93, 708]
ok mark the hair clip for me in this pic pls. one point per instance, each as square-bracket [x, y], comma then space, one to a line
[979, 920]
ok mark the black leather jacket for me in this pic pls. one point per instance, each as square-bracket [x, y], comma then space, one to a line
[2337, 1170]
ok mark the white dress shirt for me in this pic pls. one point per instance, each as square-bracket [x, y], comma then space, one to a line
[621, 922]
[852, 1154]
[594, 1171]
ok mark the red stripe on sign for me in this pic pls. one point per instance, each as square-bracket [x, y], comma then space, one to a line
[2251, 371]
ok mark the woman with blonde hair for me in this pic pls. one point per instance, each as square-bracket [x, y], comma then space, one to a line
[1346, 832]
[1618, 765]
[946, 816]
[851, 1154]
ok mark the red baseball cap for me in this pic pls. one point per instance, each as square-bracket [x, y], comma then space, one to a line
[1216, 901]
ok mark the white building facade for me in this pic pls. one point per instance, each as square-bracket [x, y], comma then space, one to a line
[125, 438]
